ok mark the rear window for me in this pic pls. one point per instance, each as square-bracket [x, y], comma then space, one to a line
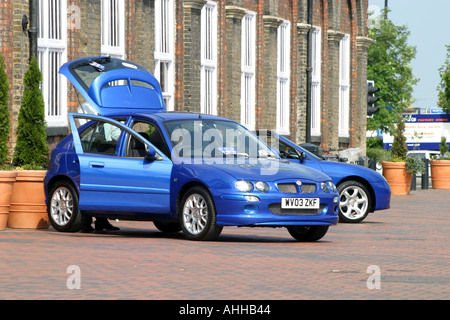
[85, 72]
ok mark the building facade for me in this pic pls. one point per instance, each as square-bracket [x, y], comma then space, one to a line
[294, 66]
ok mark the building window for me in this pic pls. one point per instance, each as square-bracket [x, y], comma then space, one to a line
[208, 77]
[315, 81]
[344, 86]
[113, 28]
[248, 90]
[52, 53]
[164, 49]
[283, 77]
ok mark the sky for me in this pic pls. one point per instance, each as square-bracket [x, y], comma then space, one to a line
[429, 24]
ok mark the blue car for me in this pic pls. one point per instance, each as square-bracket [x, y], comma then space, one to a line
[129, 159]
[361, 190]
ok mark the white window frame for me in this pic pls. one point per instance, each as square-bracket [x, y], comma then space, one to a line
[52, 53]
[165, 48]
[113, 28]
[248, 70]
[316, 56]
[283, 77]
[208, 69]
[344, 86]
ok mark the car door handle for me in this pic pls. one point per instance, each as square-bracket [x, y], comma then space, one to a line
[94, 164]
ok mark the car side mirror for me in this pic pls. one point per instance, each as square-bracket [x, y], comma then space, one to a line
[276, 151]
[302, 156]
[150, 153]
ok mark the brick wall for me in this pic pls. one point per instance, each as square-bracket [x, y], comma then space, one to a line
[6, 38]
[190, 75]
[20, 59]
[334, 17]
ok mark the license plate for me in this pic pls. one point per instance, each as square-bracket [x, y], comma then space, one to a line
[300, 203]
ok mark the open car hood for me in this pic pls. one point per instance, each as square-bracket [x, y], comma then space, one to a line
[112, 85]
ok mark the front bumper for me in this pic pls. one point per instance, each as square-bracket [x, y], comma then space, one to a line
[235, 210]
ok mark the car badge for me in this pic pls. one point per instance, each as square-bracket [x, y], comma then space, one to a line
[298, 182]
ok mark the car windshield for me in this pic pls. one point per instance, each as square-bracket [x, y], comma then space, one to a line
[207, 138]
[308, 153]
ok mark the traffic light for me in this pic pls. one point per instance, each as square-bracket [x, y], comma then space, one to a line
[371, 98]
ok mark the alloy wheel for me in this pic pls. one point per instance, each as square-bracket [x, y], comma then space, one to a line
[195, 214]
[354, 202]
[61, 206]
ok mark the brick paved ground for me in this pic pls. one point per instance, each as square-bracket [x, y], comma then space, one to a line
[408, 243]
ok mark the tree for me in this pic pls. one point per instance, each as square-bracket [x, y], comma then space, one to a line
[31, 148]
[4, 113]
[389, 65]
[444, 85]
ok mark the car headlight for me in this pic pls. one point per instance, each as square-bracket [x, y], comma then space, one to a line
[324, 187]
[262, 186]
[244, 186]
[332, 186]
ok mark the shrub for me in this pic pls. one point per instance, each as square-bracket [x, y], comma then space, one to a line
[31, 148]
[4, 113]
[378, 154]
[399, 148]
[374, 142]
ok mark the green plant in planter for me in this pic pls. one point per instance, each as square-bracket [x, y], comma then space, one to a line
[31, 151]
[399, 148]
[399, 151]
[444, 152]
[4, 114]
[414, 165]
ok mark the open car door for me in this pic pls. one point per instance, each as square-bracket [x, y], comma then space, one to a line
[111, 181]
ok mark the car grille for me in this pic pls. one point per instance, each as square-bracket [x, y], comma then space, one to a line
[287, 187]
[292, 188]
[276, 209]
[308, 188]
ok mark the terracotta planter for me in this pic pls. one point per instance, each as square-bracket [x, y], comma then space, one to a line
[7, 179]
[440, 174]
[397, 177]
[28, 209]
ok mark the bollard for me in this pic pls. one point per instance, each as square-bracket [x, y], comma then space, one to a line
[373, 164]
[425, 175]
[413, 183]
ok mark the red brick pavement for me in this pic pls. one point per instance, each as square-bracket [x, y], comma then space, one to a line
[409, 243]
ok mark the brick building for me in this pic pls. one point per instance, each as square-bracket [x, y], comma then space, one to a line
[245, 60]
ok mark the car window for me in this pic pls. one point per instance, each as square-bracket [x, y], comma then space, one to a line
[85, 72]
[136, 148]
[100, 137]
[287, 152]
[208, 138]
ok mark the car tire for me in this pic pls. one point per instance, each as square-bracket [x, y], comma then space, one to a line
[169, 227]
[307, 233]
[63, 210]
[354, 203]
[197, 215]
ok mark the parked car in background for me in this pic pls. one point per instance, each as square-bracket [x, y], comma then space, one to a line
[361, 190]
[183, 171]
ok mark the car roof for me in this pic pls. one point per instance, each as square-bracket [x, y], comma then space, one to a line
[169, 115]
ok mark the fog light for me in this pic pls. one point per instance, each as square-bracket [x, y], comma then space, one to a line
[250, 209]
[336, 199]
[252, 198]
